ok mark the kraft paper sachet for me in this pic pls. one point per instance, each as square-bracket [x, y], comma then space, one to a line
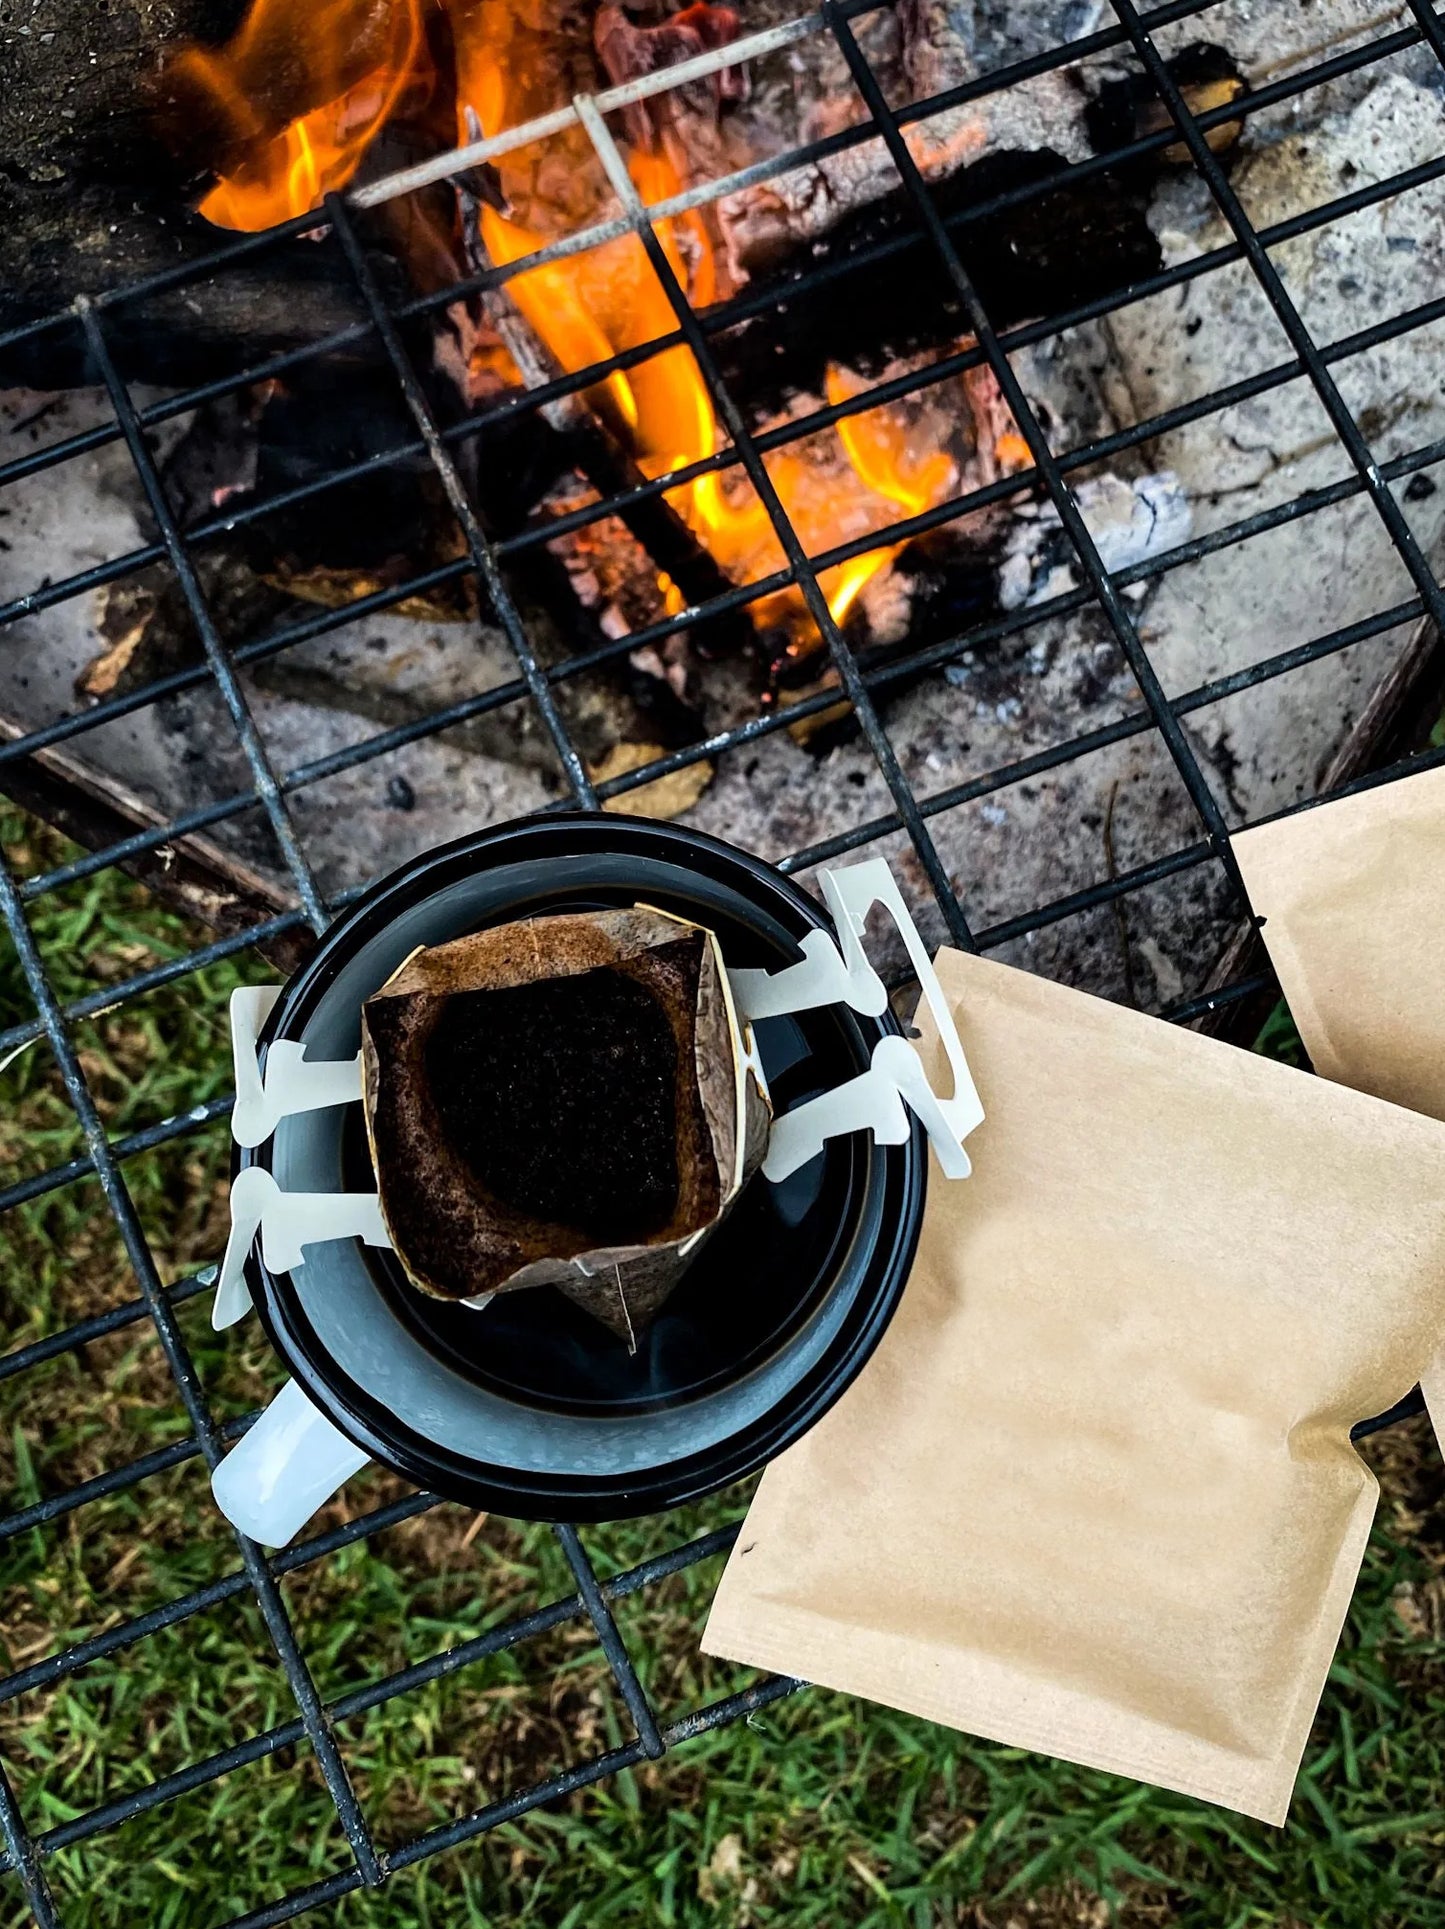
[1351, 898]
[1095, 1493]
[1351, 895]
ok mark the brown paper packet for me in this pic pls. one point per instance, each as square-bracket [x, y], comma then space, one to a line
[1352, 898]
[1095, 1493]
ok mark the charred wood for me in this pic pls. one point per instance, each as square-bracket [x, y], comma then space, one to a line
[1065, 246]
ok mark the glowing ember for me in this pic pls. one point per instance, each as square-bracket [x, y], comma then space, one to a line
[353, 64]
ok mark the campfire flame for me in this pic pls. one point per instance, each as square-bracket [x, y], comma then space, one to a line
[354, 64]
[287, 170]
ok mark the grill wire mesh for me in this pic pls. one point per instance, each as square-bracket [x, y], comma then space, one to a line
[105, 1158]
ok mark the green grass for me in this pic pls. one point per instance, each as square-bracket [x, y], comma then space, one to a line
[820, 1811]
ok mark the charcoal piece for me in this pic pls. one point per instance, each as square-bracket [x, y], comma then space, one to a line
[1043, 256]
[389, 519]
[563, 1101]
[559, 1098]
[387, 522]
[145, 623]
[1128, 109]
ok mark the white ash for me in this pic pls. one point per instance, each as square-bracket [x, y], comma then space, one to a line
[1323, 571]
[1129, 522]
[936, 52]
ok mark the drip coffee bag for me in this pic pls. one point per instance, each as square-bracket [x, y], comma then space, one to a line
[1351, 901]
[565, 1101]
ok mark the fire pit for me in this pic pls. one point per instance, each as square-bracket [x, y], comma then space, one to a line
[1004, 437]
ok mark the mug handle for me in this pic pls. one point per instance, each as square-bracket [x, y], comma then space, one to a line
[289, 1463]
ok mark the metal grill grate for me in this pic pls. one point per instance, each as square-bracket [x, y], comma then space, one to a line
[537, 685]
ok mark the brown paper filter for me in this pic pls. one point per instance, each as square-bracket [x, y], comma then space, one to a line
[564, 1101]
[1095, 1493]
[1352, 898]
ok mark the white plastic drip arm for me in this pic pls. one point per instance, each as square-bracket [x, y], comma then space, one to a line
[841, 974]
[287, 1222]
[293, 1083]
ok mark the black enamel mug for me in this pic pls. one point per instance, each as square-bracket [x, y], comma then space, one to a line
[528, 1407]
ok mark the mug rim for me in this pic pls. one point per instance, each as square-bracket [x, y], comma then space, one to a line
[526, 1493]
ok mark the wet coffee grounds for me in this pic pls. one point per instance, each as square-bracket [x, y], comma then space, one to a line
[560, 1098]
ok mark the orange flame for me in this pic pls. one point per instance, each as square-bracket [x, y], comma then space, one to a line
[287, 171]
[839, 486]
[893, 467]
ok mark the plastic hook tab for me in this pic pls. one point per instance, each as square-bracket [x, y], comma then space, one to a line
[841, 974]
[287, 1222]
[292, 1082]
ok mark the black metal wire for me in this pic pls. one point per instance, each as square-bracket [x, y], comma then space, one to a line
[21, 1855]
[483, 555]
[618, 1659]
[800, 564]
[862, 679]
[223, 670]
[177, 1356]
[1268, 276]
[726, 316]
[130, 1313]
[1106, 591]
[714, 322]
[115, 1480]
[593, 1599]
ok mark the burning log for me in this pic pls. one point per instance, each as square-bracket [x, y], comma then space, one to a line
[92, 197]
[596, 451]
[683, 122]
[1153, 354]
[286, 109]
[674, 550]
[1066, 246]
[938, 579]
[285, 115]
